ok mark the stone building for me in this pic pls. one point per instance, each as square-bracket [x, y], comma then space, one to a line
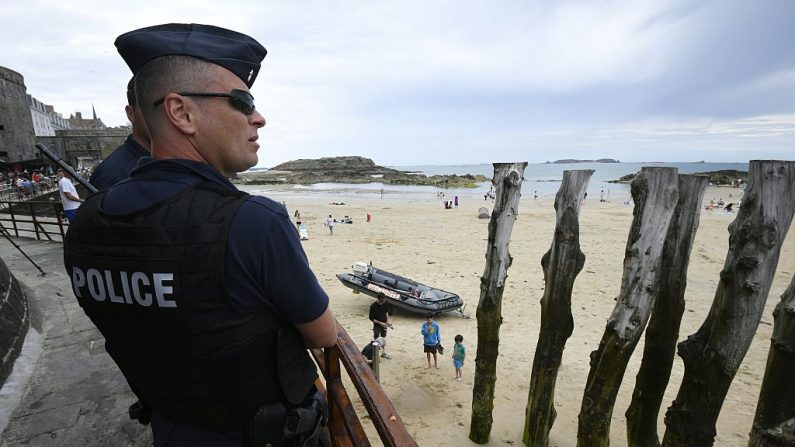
[77, 121]
[17, 139]
[25, 121]
[56, 119]
[85, 147]
[42, 124]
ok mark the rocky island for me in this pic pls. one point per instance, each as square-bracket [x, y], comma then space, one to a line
[572, 160]
[726, 177]
[352, 169]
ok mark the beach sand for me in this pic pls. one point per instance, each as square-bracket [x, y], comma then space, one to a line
[414, 236]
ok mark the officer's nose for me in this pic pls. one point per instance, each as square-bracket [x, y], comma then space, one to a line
[256, 119]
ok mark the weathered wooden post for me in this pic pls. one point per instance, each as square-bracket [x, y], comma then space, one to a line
[712, 355]
[654, 191]
[774, 423]
[561, 265]
[663, 330]
[508, 185]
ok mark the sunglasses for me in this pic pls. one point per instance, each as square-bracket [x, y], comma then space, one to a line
[239, 99]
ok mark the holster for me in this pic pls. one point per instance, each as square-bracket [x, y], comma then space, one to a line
[279, 426]
[140, 412]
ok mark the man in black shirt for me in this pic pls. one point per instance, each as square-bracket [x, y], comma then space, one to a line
[379, 315]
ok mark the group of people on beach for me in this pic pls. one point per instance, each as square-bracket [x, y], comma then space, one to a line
[449, 204]
[491, 194]
[713, 205]
[380, 315]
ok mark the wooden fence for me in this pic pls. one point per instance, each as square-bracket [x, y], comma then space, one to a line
[664, 223]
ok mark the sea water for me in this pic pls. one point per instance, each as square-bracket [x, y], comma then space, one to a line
[540, 179]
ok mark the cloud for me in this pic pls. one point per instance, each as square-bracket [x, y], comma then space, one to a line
[430, 82]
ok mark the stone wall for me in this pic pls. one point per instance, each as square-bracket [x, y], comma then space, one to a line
[16, 125]
[87, 144]
[14, 320]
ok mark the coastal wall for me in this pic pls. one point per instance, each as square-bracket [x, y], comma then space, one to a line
[90, 145]
[16, 125]
[14, 320]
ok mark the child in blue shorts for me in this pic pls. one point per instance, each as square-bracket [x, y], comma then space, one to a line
[459, 352]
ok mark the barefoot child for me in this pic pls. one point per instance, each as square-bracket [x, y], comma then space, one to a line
[459, 352]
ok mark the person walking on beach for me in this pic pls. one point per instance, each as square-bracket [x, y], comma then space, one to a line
[379, 315]
[69, 197]
[456, 201]
[329, 223]
[431, 338]
[459, 353]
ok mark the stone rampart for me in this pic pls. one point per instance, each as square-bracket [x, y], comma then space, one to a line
[85, 144]
[14, 320]
[16, 124]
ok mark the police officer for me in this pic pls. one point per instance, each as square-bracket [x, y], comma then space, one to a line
[118, 165]
[202, 292]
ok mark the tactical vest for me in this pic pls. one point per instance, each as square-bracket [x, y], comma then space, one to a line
[153, 284]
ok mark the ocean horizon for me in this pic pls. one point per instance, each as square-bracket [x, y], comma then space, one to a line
[541, 179]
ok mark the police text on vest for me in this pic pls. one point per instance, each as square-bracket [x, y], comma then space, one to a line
[143, 288]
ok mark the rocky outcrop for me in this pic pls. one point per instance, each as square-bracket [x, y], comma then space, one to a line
[725, 177]
[351, 170]
[334, 164]
[573, 160]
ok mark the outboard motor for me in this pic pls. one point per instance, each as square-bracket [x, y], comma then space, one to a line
[361, 268]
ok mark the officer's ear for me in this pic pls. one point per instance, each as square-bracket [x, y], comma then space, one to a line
[180, 112]
[130, 114]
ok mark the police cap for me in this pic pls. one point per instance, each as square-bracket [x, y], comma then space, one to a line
[234, 51]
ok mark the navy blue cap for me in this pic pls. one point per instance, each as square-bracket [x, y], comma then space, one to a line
[234, 51]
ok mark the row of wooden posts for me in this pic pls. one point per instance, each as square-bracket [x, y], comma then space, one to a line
[666, 216]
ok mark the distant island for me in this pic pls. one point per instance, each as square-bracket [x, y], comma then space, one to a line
[572, 160]
[351, 169]
[725, 177]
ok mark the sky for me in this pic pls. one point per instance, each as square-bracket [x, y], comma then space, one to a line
[458, 82]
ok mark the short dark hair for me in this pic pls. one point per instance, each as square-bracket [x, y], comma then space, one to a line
[168, 74]
[459, 338]
[131, 93]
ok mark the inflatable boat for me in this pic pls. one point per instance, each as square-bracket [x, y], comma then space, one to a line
[399, 291]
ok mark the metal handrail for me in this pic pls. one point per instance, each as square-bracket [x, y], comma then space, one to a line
[36, 217]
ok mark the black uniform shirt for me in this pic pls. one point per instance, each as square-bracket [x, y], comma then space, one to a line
[118, 165]
[265, 263]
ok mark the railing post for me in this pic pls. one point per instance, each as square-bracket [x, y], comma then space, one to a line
[13, 219]
[336, 424]
[33, 218]
[377, 361]
[58, 219]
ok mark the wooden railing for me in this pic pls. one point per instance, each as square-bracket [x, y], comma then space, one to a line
[344, 425]
[39, 219]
